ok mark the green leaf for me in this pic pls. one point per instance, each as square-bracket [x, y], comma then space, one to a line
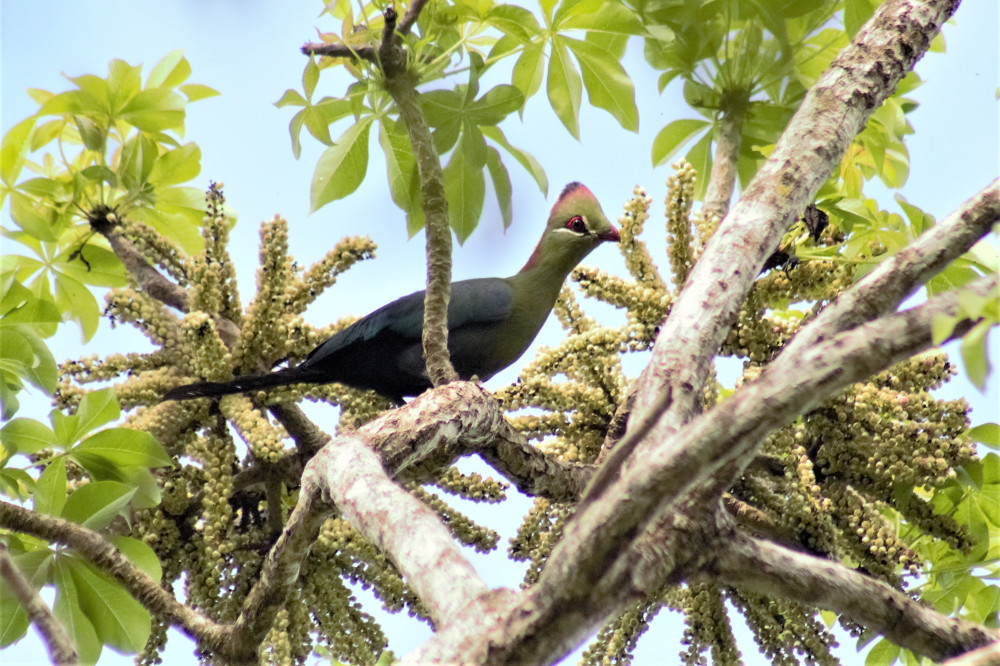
[172, 70]
[443, 110]
[974, 358]
[35, 222]
[882, 653]
[98, 173]
[138, 156]
[36, 566]
[119, 620]
[856, 12]
[139, 554]
[97, 503]
[92, 264]
[69, 610]
[16, 484]
[310, 77]
[987, 434]
[125, 447]
[400, 166]
[23, 435]
[155, 110]
[700, 157]
[564, 88]
[342, 166]
[291, 98]
[96, 409]
[465, 189]
[529, 70]
[23, 349]
[74, 299]
[608, 85]
[124, 83]
[501, 184]
[530, 164]
[515, 21]
[609, 17]
[942, 327]
[177, 166]
[197, 91]
[14, 149]
[50, 489]
[495, 105]
[91, 133]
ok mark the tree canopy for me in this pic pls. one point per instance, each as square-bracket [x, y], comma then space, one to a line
[780, 454]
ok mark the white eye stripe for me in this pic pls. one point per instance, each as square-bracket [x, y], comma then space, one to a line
[564, 230]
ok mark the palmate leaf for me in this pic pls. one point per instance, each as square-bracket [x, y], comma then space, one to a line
[118, 620]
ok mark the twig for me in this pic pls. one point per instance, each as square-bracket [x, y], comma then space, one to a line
[767, 568]
[106, 557]
[60, 647]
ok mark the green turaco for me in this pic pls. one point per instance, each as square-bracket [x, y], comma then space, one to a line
[491, 321]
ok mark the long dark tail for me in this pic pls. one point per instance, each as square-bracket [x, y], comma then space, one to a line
[238, 385]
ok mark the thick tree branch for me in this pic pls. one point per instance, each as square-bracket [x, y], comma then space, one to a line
[599, 561]
[57, 641]
[766, 568]
[857, 82]
[352, 474]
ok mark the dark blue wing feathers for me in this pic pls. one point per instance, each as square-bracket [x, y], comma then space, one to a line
[478, 301]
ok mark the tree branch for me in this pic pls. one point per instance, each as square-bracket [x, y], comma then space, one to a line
[857, 82]
[400, 83]
[892, 281]
[57, 641]
[766, 568]
[106, 557]
[598, 560]
[722, 181]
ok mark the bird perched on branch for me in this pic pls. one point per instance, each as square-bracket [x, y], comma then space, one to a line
[491, 321]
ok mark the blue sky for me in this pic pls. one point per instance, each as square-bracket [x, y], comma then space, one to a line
[248, 50]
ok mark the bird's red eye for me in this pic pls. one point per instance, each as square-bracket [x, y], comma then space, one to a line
[577, 225]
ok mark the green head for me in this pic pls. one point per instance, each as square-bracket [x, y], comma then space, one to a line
[576, 226]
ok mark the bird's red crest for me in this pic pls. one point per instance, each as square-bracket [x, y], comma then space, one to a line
[577, 189]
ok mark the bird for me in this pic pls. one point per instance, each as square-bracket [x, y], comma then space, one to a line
[491, 321]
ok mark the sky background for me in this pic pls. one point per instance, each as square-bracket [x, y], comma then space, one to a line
[249, 51]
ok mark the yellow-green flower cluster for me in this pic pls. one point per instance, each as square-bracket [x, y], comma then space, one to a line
[680, 198]
[472, 486]
[301, 291]
[351, 635]
[637, 258]
[783, 630]
[616, 639]
[209, 357]
[155, 321]
[342, 551]
[541, 530]
[266, 441]
[156, 249]
[707, 627]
